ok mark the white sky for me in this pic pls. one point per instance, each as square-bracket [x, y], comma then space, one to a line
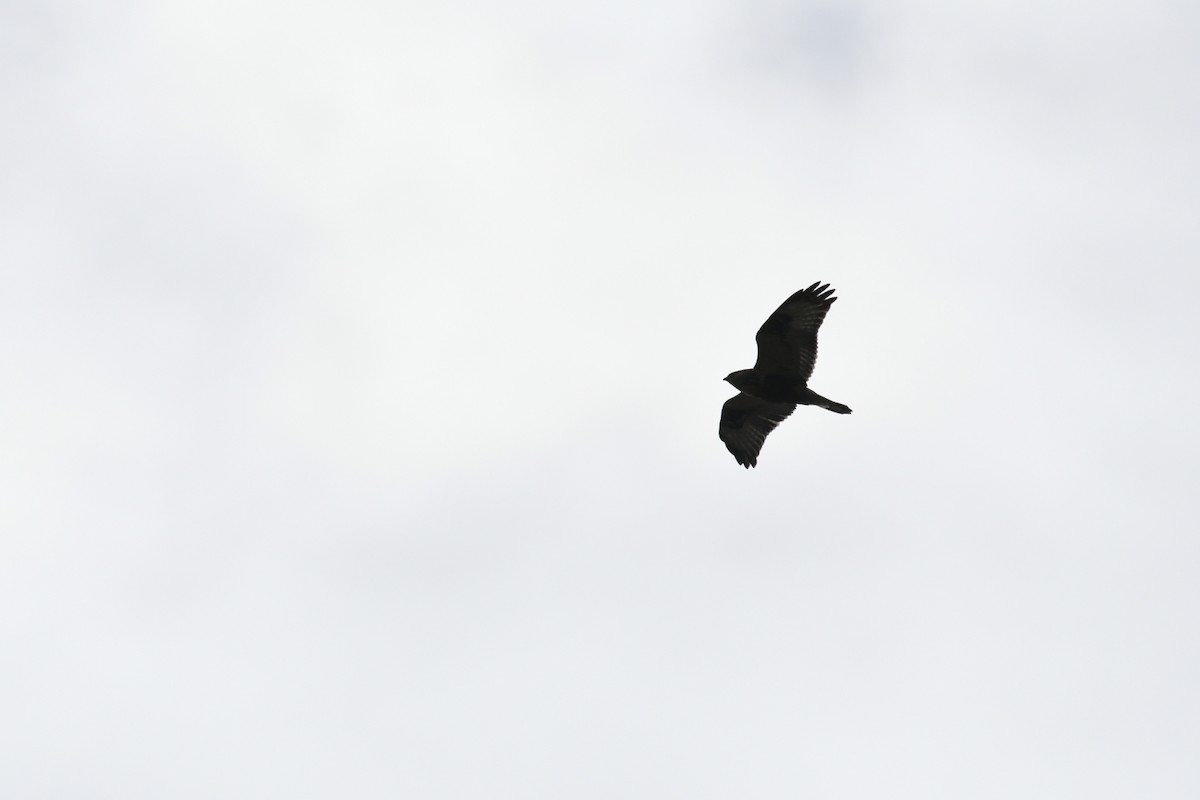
[364, 365]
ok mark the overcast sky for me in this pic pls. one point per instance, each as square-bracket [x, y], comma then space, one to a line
[363, 366]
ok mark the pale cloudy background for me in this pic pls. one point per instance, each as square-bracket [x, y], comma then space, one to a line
[363, 364]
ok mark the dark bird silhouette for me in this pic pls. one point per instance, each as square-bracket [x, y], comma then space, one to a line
[787, 351]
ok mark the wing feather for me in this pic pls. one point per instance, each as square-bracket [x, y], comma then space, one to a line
[745, 423]
[787, 341]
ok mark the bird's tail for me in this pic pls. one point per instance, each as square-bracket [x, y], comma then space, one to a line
[814, 399]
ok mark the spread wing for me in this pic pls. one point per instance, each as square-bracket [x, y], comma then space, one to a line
[745, 423]
[787, 341]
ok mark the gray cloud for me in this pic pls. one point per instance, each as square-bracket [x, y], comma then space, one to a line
[360, 435]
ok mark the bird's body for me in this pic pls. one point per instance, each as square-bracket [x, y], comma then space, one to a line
[777, 388]
[778, 382]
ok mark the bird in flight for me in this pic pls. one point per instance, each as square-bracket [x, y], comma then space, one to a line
[767, 394]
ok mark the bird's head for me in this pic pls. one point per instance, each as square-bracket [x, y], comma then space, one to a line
[743, 380]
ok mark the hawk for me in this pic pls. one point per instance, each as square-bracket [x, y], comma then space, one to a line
[767, 394]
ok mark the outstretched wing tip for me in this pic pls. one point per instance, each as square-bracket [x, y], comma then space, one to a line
[787, 341]
[745, 423]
